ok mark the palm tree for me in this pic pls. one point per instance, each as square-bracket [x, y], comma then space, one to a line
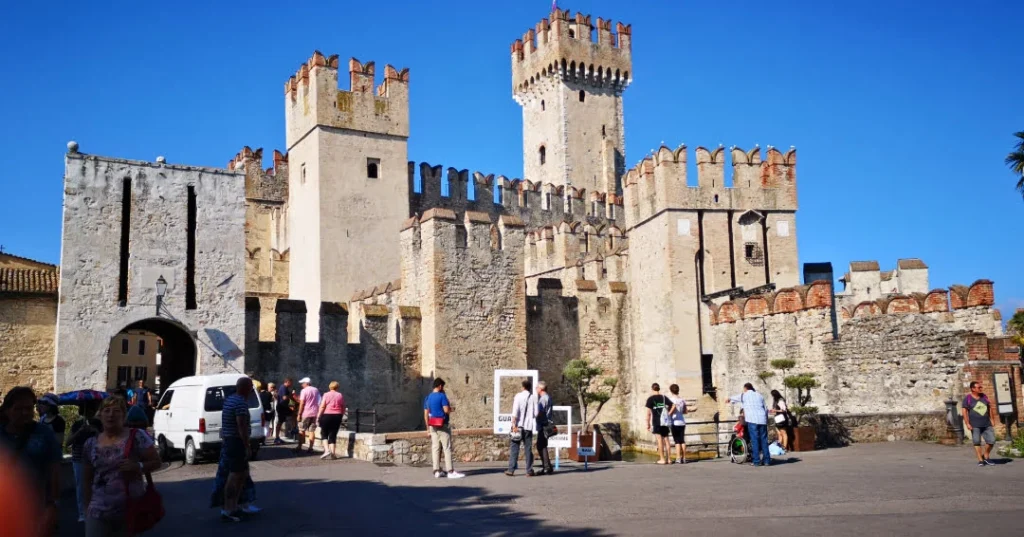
[1015, 160]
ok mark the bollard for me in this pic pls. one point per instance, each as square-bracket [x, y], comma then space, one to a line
[954, 422]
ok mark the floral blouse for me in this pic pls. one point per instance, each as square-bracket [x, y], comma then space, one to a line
[108, 484]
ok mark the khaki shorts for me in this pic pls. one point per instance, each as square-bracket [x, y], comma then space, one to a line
[308, 425]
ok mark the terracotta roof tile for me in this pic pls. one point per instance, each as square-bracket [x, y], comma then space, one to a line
[911, 263]
[43, 282]
[863, 266]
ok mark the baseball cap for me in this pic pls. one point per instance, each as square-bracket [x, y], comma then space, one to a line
[304, 380]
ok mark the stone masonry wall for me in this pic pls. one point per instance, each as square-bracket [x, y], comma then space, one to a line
[89, 314]
[373, 374]
[28, 326]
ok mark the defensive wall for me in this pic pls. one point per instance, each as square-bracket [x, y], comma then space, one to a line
[266, 230]
[903, 355]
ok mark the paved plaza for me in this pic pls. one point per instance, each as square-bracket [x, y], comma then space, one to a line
[865, 489]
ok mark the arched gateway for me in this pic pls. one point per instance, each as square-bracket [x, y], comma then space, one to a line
[152, 273]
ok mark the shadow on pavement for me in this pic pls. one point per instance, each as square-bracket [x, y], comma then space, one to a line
[522, 473]
[313, 508]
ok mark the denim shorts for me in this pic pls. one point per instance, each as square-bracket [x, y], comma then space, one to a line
[986, 433]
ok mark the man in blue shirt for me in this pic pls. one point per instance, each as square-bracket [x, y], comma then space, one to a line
[756, 415]
[436, 410]
[234, 434]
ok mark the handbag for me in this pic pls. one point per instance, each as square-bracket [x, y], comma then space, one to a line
[144, 512]
[665, 419]
[549, 430]
[435, 422]
[781, 419]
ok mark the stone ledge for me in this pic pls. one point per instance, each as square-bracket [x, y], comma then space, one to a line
[617, 287]
[409, 312]
[440, 214]
[586, 285]
[375, 310]
[478, 217]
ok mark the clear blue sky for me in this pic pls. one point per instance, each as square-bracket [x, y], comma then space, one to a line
[902, 112]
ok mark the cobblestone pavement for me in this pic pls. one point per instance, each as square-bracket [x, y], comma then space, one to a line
[867, 489]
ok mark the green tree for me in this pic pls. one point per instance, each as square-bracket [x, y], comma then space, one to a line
[1015, 160]
[1016, 328]
[581, 378]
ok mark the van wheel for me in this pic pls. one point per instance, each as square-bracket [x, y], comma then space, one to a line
[162, 449]
[191, 456]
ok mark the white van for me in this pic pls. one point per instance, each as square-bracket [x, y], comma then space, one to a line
[188, 416]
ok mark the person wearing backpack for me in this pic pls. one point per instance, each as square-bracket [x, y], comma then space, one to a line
[659, 422]
[977, 416]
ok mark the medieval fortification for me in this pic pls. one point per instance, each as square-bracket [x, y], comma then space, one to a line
[383, 274]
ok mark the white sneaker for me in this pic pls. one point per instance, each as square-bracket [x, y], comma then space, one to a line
[438, 474]
[251, 509]
[455, 475]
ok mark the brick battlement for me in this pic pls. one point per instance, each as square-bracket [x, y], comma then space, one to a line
[819, 294]
[659, 181]
[536, 204]
[313, 98]
[565, 48]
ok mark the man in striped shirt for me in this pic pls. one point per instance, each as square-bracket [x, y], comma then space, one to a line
[755, 413]
[234, 434]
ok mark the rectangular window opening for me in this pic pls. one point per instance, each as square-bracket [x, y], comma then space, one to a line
[190, 252]
[126, 223]
[142, 347]
[372, 168]
[461, 238]
[124, 346]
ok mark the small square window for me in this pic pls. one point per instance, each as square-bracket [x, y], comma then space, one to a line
[372, 168]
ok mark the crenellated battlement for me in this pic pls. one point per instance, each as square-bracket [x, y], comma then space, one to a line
[587, 251]
[659, 181]
[270, 184]
[536, 204]
[568, 48]
[819, 295]
[314, 97]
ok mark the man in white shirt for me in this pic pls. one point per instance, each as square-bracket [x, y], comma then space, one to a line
[524, 421]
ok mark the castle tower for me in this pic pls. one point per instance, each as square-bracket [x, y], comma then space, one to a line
[569, 82]
[347, 180]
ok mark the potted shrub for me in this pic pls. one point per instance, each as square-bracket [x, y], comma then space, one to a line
[803, 435]
[584, 381]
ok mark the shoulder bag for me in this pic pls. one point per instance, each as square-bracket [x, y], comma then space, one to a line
[144, 512]
[666, 419]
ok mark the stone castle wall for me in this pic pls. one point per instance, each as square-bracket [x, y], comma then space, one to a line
[903, 354]
[28, 326]
[89, 313]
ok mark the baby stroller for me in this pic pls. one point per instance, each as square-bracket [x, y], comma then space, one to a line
[739, 443]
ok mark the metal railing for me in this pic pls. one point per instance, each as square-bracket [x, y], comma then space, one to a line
[360, 422]
[718, 432]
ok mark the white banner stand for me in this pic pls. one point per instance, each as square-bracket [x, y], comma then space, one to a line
[562, 440]
[503, 421]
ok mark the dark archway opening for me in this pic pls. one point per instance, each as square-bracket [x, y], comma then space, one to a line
[160, 351]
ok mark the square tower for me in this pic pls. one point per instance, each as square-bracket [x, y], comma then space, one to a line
[570, 87]
[348, 183]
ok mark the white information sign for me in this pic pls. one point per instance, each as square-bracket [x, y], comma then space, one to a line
[562, 440]
[782, 228]
[503, 420]
[683, 226]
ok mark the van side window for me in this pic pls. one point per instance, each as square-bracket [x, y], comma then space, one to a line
[165, 401]
[214, 400]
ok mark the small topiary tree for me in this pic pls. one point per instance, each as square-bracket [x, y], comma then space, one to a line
[580, 377]
[765, 375]
[802, 383]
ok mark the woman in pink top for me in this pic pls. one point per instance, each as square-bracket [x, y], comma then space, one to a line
[332, 408]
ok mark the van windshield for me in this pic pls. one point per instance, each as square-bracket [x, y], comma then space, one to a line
[215, 398]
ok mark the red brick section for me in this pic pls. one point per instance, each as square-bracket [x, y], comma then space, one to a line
[819, 295]
[728, 313]
[936, 301]
[787, 301]
[987, 357]
[981, 294]
[903, 304]
[957, 297]
[866, 308]
[755, 307]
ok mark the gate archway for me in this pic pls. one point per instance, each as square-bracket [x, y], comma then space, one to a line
[159, 351]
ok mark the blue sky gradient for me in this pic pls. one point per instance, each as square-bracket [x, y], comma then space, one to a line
[901, 112]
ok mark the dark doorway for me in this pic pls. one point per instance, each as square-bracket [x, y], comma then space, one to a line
[173, 354]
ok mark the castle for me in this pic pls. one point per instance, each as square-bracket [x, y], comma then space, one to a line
[363, 267]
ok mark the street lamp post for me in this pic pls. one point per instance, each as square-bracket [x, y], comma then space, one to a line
[161, 289]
